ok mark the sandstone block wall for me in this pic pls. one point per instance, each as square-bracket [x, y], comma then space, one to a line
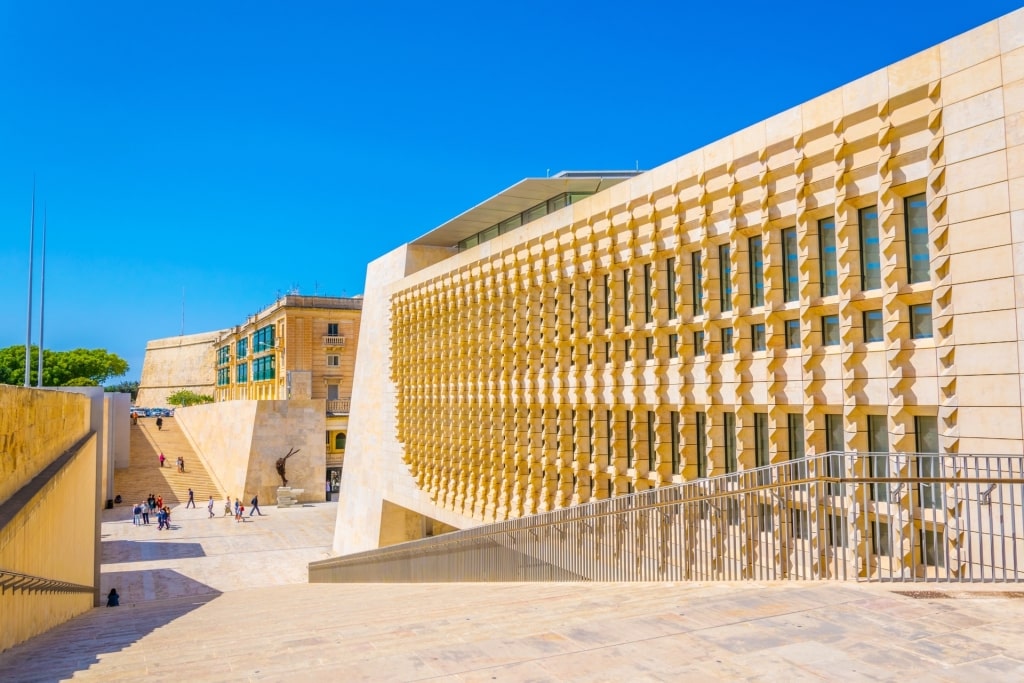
[54, 532]
[177, 363]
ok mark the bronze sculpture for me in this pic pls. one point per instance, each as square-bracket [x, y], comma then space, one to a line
[280, 464]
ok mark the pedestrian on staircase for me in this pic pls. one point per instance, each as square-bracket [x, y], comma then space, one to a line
[162, 459]
[159, 424]
[209, 506]
[191, 499]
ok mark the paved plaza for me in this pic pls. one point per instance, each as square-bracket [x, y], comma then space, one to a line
[219, 600]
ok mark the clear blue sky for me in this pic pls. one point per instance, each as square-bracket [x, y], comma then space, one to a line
[240, 149]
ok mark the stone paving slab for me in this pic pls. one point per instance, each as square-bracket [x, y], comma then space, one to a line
[217, 600]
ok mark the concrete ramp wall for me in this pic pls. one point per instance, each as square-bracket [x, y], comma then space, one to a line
[240, 442]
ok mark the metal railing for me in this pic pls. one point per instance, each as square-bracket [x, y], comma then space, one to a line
[14, 581]
[839, 516]
[339, 406]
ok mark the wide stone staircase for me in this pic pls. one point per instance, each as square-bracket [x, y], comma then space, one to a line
[144, 474]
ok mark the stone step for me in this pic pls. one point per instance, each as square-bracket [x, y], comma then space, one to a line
[144, 474]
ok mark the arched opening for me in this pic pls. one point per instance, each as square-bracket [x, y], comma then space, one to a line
[339, 441]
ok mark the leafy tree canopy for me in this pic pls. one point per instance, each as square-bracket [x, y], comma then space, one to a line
[188, 398]
[121, 387]
[61, 368]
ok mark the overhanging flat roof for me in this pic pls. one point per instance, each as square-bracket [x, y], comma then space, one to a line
[523, 195]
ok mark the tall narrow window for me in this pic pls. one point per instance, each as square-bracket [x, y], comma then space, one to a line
[828, 259]
[933, 547]
[792, 333]
[651, 456]
[729, 441]
[830, 330]
[625, 297]
[919, 267]
[870, 254]
[921, 321]
[790, 266]
[878, 445]
[648, 304]
[698, 343]
[795, 429]
[834, 446]
[757, 340]
[673, 345]
[649, 347]
[701, 444]
[572, 309]
[586, 302]
[725, 277]
[629, 439]
[607, 303]
[760, 439]
[873, 325]
[926, 430]
[674, 424]
[727, 340]
[670, 285]
[609, 428]
[698, 283]
[590, 437]
[756, 272]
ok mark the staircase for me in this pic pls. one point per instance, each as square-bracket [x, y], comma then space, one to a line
[144, 474]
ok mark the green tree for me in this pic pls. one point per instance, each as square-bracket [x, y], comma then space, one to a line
[188, 398]
[78, 381]
[121, 387]
[61, 367]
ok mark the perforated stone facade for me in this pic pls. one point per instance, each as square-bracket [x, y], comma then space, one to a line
[580, 357]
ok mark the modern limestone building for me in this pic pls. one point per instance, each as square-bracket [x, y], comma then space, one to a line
[846, 275]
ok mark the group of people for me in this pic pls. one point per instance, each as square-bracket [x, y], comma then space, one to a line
[238, 508]
[153, 505]
[180, 462]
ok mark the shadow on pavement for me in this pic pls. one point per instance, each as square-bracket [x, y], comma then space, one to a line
[77, 645]
[115, 552]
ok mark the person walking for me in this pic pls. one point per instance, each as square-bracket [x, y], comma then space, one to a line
[137, 512]
[159, 424]
[209, 506]
[191, 499]
[227, 506]
[255, 502]
[162, 459]
[181, 460]
[239, 514]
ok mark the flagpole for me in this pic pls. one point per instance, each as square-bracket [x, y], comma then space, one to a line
[31, 251]
[42, 302]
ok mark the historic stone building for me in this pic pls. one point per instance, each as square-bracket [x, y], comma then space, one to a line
[845, 275]
[301, 348]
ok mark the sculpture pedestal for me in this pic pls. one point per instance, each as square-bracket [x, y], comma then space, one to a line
[287, 496]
